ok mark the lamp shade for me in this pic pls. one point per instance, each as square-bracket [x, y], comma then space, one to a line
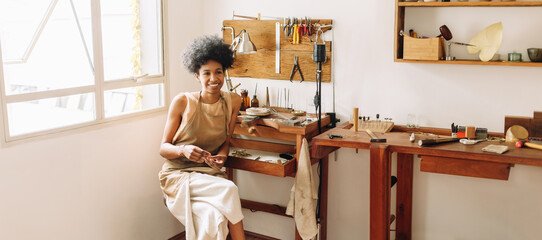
[245, 45]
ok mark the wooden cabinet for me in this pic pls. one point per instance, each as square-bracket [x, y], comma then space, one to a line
[400, 7]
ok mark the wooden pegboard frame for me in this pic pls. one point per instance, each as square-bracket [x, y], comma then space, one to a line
[262, 63]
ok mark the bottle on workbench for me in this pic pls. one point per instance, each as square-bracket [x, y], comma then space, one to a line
[245, 100]
[254, 102]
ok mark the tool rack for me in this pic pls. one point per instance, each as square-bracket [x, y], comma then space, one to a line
[262, 64]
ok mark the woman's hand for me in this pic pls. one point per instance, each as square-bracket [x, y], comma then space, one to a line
[194, 153]
[216, 162]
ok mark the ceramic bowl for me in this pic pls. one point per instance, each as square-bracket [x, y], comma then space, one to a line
[535, 54]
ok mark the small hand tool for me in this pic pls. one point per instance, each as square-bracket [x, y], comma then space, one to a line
[433, 141]
[295, 34]
[526, 143]
[331, 136]
[309, 28]
[286, 28]
[374, 138]
[295, 69]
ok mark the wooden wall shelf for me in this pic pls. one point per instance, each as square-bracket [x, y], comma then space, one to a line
[471, 4]
[400, 7]
[475, 62]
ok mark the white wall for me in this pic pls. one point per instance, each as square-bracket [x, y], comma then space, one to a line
[365, 76]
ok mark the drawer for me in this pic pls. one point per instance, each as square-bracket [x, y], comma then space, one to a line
[264, 162]
[465, 167]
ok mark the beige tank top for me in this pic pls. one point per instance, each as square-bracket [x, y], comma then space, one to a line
[203, 125]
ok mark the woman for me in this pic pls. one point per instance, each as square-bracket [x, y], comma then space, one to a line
[196, 145]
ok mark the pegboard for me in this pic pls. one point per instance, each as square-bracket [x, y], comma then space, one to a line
[262, 63]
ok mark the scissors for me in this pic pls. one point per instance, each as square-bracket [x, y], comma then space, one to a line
[295, 69]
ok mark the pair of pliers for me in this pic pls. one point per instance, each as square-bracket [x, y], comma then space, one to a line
[308, 28]
[295, 69]
[286, 28]
[295, 37]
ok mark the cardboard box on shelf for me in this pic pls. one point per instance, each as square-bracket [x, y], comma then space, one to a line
[423, 48]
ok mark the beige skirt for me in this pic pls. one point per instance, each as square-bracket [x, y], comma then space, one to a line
[202, 203]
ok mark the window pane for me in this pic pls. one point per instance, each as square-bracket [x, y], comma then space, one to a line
[62, 54]
[18, 22]
[131, 35]
[44, 114]
[128, 100]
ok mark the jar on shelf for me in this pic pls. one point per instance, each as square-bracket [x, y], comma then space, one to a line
[254, 102]
[245, 100]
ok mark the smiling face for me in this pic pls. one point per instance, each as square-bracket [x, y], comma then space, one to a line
[211, 77]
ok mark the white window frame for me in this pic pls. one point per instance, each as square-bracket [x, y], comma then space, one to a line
[99, 87]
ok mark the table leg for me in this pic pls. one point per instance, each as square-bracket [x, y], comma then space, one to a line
[323, 198]
[405, 165]
[380, 192]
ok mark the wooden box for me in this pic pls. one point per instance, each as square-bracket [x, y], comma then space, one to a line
[423, 48]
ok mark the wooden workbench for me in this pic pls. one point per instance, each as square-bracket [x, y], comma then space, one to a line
[452, 158]
[265, 132]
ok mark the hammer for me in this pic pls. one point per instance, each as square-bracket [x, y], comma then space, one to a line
[374, 138]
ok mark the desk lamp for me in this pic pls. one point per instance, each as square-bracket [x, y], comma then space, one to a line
[241, 45]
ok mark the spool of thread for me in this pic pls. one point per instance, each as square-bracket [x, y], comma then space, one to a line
[355, 119]
[470, 132]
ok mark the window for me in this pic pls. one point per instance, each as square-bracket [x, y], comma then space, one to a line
[72, 63]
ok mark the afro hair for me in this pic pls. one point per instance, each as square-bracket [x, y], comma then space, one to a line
[206, 48]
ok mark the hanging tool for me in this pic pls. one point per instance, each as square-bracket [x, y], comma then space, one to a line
[295, 69]
[310, 27]
[295, 33]
[300, 30]
[319, 57]
[286, 29]
[306, 27]
[277, 46]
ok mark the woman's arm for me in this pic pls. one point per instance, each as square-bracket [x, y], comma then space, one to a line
[167, 149]
[222, 154]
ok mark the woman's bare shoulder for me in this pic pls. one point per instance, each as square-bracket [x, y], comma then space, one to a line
[182, 98]
[180, 101]
[235, 97]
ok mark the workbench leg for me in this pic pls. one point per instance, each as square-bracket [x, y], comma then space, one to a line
[229, 173]
[298, 145]
[323, 198]
[405, 167]
[380, 192]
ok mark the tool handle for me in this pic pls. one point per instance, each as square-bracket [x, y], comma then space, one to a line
[534, 145]
[355, 116]
[433, 141]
